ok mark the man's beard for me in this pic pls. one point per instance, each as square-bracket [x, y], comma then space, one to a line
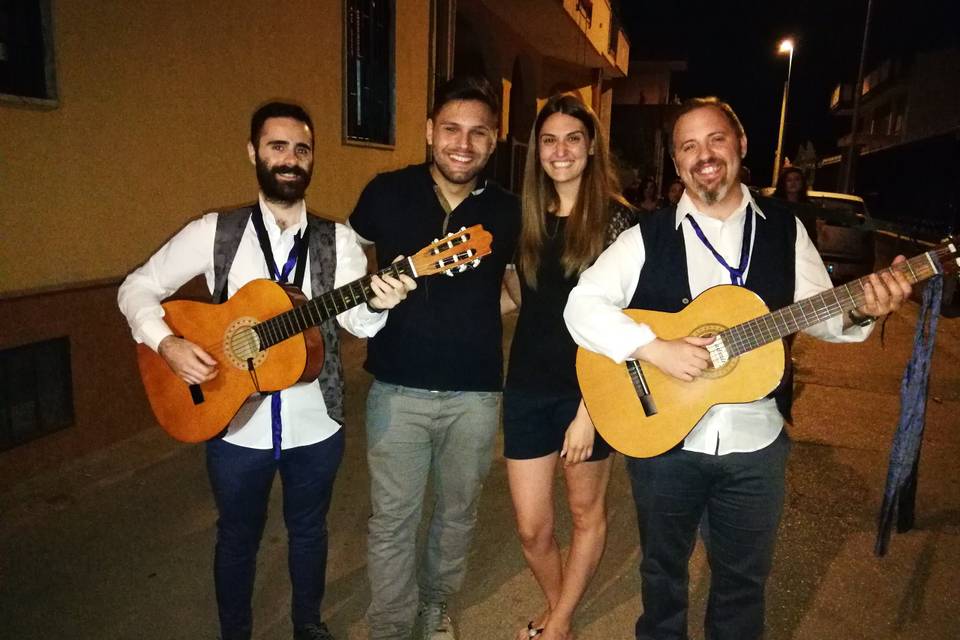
[718, 193]
[457, 179]
[275, 190]
[713, 196]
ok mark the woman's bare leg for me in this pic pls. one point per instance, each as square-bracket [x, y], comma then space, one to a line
[586, 495]
[531, 489]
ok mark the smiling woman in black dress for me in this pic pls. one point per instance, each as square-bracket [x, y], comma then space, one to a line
[571, 211]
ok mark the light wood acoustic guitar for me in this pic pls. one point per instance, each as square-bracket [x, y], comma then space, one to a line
[265, 338]
[643, 412]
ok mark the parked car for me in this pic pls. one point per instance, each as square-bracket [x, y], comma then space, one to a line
[842, 230]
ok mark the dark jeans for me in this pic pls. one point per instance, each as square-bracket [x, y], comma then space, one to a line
[742, 493]
[241, 479]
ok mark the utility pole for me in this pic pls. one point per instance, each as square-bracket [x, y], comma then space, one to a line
[785, 47]
[852, 153]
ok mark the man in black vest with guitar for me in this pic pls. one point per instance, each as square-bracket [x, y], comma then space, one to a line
[728, 460]
[296, 431]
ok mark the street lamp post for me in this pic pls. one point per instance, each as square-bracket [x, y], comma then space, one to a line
[786, 46]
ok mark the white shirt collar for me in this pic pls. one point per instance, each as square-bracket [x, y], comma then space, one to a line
[685, 206]
[271, 223]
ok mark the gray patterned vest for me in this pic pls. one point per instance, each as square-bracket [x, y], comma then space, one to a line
[322, 253]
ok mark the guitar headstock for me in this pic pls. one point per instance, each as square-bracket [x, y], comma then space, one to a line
[454, 253]
[949, 254]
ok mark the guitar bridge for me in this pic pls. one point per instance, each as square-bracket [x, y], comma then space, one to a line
[196, 394]
[719, 356]
[640, 386]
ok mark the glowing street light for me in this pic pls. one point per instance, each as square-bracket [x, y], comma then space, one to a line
[786, 46]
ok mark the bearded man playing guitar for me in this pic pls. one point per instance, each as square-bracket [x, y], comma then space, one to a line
[731, 464]
[296, 431]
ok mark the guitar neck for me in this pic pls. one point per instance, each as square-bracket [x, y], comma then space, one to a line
[800, 315]
[326, 306]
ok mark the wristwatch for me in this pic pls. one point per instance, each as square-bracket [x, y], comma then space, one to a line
[861, 320]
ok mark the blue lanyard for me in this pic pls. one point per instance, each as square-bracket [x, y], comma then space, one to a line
[297, 257]
[736, 273]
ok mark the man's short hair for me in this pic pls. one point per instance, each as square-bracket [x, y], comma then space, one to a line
[277, 110]
[466, 88]
[692, 104]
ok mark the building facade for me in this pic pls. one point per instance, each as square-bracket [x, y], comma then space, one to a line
[124, 120]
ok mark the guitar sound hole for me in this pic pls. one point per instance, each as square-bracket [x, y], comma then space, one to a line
[241, 344]
[709, 331]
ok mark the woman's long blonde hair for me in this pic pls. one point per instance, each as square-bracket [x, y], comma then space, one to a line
[586, 227]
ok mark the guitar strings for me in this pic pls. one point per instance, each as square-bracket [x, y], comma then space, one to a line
[757, 332]
[273, 329]
[739, 339]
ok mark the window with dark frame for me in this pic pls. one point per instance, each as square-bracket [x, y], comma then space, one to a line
[26, 51]
[36, 391]
[369, 71]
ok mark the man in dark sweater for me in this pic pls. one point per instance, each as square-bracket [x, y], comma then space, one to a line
[434, 406]
[731, 464]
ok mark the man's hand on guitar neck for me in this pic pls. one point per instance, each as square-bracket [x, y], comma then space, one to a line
[684, 358]
[192, 364]
[884, 292]
[390, 291]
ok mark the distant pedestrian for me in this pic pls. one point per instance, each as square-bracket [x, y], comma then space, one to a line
[792, 186]
[674, 191]
[649, 196]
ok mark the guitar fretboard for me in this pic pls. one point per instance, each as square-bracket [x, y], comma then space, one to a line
[322, 308]
[805, 313]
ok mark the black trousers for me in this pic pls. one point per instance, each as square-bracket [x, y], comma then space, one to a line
[241, 479]
[742, 496]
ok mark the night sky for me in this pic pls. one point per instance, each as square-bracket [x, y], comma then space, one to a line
[731, 52]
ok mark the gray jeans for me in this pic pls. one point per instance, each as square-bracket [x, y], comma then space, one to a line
[411, 433]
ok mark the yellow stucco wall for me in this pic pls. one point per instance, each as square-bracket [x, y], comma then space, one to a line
[155, 101]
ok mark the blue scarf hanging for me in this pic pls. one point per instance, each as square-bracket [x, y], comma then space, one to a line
[905, 452]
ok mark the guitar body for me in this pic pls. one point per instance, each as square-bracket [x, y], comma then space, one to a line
[223, 331]
[611, 397]
[266, 337]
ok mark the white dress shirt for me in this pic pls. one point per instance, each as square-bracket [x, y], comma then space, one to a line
[189, 254]
[594, 318]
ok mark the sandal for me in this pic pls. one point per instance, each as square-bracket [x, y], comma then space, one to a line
[533, 632]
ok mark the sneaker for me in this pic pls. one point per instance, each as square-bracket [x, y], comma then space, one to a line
[435, 624]
[313, 632]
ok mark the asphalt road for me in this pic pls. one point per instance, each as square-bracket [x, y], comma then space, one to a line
[118, 545]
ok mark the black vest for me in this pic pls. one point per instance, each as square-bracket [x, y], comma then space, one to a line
[322, 252]
[664, 284]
